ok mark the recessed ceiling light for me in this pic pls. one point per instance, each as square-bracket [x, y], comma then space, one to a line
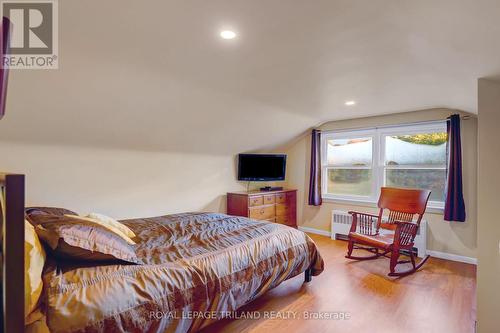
[350, 103]
[228, 34]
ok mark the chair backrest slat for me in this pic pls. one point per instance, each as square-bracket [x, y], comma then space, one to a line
[403, 205]
[404, 200]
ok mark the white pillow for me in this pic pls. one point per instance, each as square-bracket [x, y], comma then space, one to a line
[111, 221]
[106, 225]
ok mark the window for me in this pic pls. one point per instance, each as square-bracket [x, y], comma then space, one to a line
[356, 164]
[348, 164]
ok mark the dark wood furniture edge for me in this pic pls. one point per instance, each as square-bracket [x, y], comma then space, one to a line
[308, 275]
[13, 253]
[250, 193]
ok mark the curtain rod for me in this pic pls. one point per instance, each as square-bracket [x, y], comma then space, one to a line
[463, 117]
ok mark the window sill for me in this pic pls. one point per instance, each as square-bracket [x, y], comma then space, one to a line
[431, 209]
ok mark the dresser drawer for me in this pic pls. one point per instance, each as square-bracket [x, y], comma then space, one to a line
[280, 198]
[261, 213]
[269, 199]
[282, 209]
[283, 219]
[273, 206]
[256, 200]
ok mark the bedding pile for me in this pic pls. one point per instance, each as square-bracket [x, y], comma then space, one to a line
[192, 264]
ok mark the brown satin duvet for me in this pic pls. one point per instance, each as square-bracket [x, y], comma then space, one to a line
[195, 266]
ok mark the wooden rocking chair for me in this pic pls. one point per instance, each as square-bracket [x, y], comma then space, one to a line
[406, 208]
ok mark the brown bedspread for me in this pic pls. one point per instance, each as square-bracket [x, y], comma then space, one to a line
[196, 266]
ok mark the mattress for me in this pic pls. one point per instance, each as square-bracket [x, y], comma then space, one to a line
[197, 268]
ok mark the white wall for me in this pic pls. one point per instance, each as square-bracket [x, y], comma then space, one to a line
[488, 291]
[121, 183]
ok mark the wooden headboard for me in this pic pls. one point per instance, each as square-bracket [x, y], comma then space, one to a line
[12, 252]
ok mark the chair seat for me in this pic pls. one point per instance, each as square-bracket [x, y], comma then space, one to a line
[382, 240]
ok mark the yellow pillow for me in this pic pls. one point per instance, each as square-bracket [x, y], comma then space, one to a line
[37, 323]
[34, 259]
[111, 228]
[112, 222]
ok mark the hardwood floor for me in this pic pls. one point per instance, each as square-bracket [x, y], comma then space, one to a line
[439, 298]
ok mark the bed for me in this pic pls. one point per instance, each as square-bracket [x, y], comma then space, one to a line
[194, 268]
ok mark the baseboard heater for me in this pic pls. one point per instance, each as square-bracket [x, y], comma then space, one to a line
[341, 224]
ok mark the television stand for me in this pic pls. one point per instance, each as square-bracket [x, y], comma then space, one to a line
[270, 188]
[270, 206]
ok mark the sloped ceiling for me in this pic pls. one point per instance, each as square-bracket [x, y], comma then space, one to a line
[154, 74]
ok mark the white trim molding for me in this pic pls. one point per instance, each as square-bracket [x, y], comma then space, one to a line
[314, 231]
[435, 254]
[452, 257]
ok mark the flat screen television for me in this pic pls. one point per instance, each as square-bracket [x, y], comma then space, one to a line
[261, 167]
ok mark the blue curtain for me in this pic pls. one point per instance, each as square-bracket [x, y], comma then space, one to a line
[454, 208]
[315, 172]
[4, 49]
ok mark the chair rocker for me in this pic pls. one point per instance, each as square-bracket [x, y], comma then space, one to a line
[388, 236]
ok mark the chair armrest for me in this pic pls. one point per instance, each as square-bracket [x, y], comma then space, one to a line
[365, 222]
[405, 233]
[352, 212]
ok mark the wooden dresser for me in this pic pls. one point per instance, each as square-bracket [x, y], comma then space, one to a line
[273, 206]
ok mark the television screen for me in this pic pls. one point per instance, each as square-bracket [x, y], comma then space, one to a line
[261, 167]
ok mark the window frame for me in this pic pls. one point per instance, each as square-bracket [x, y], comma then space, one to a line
[336, 135]
[378, 166]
